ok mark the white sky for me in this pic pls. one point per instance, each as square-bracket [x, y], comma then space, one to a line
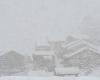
[24, 22]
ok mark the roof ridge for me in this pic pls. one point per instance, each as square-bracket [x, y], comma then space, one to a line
[75, 52]
[80, 51]
[69, 44]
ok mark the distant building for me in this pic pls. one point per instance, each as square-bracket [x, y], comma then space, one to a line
[12, 63]
[77, 53]
[83, 55]
[72, 52]
[43, 58]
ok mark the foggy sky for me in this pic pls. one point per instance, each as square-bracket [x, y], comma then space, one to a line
[24, 22]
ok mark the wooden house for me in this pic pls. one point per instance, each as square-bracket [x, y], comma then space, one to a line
[12, 63]
[43, 58]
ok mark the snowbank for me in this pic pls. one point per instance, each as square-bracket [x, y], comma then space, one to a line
[68, 70]
[48, 78]
[95, 73]
[40, 73]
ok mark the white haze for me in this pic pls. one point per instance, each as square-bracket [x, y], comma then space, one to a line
[24, 22]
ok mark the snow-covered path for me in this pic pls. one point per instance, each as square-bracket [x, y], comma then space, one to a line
[48, 78]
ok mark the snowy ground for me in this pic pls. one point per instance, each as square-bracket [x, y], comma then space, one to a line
[48, 78]
[40, 75]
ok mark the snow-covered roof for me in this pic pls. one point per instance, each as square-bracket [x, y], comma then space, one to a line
[67, 70]
[46, 53]
[69, 55]
[12, 53]
[43, 47]
[76, 42]
[77, 52]
[79, 46]
[84, 42]
[70, 44]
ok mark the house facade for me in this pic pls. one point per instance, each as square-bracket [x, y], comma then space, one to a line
[72, 52]
[43, 59]
[12, 63]
[83, 55]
